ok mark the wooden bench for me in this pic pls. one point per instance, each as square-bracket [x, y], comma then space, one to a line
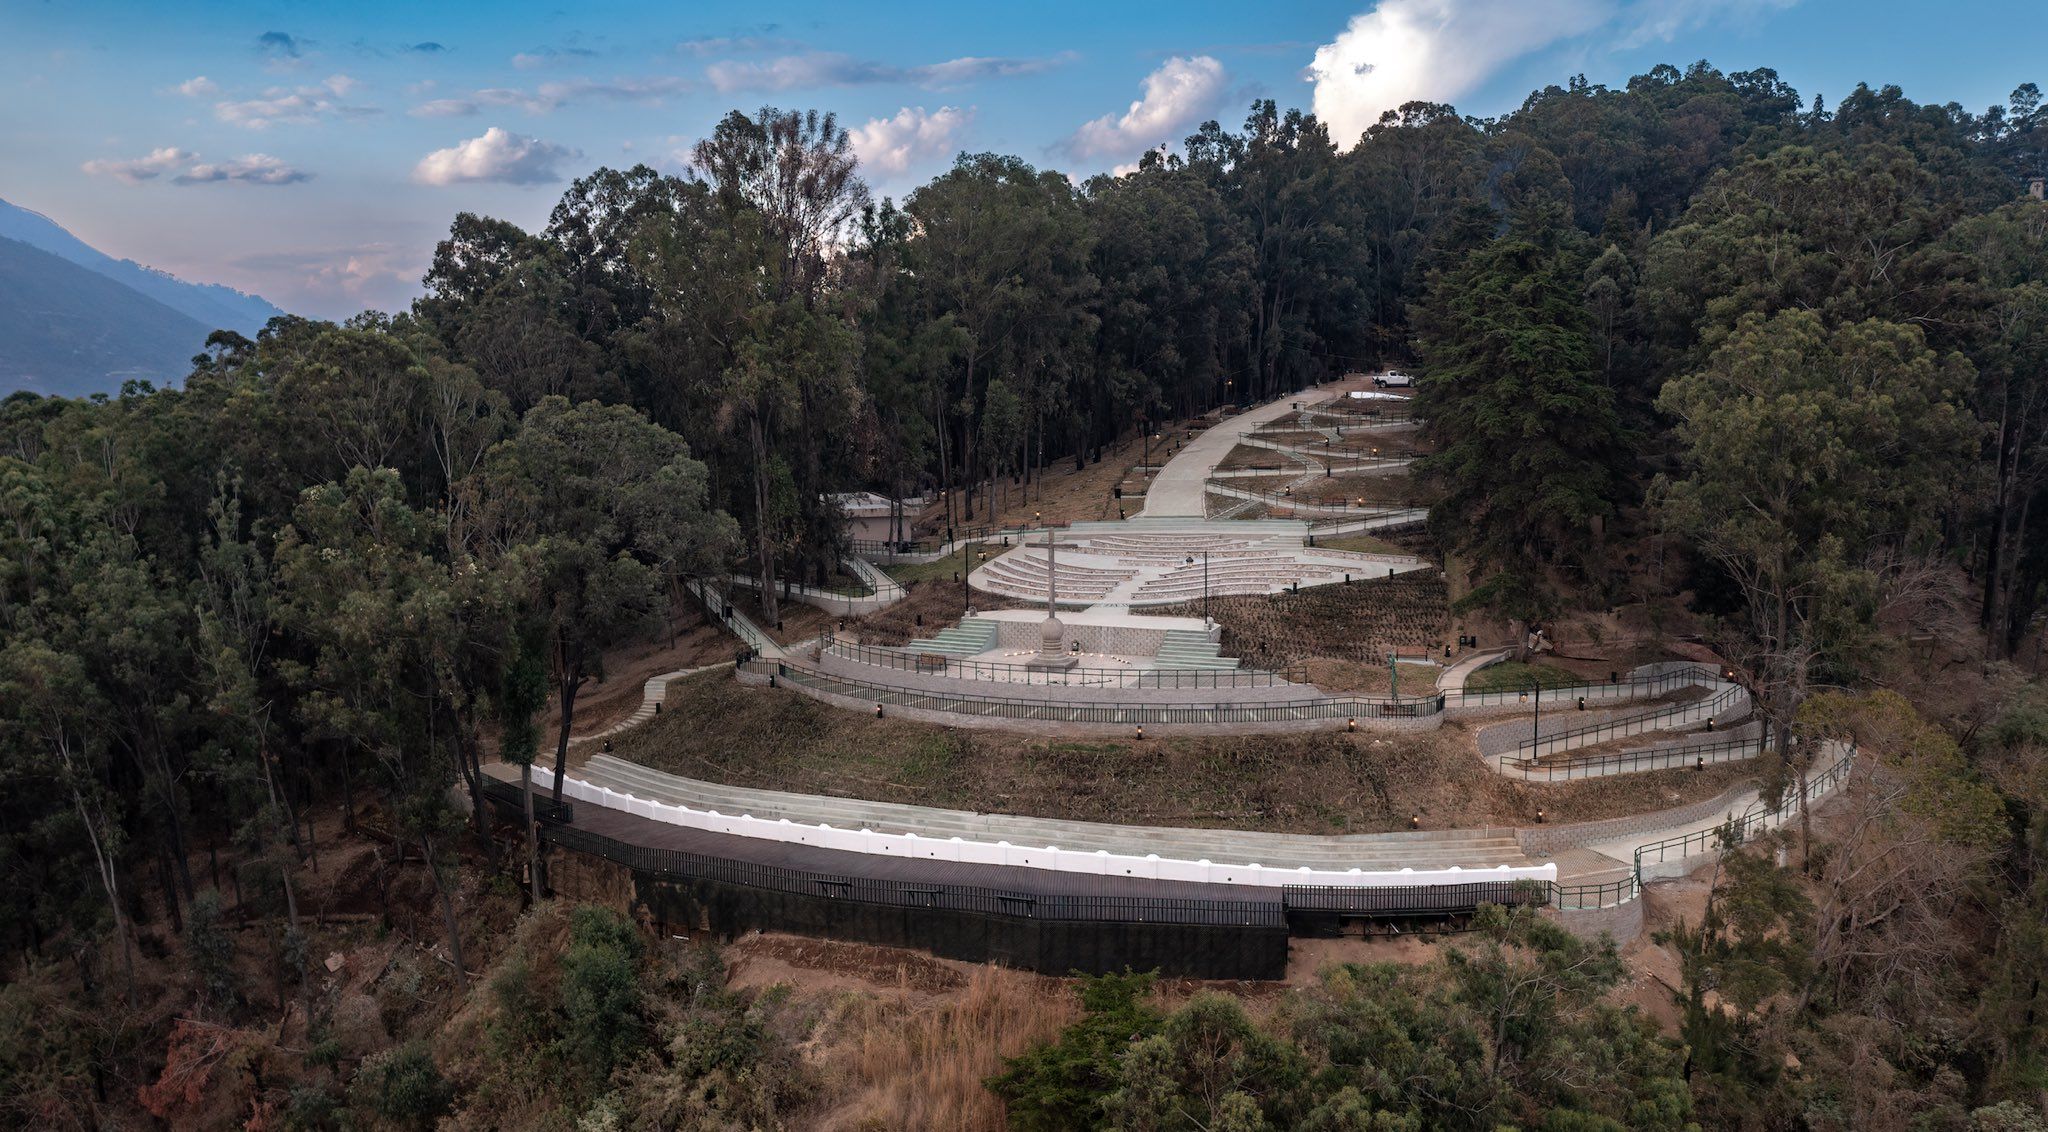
[932, 661]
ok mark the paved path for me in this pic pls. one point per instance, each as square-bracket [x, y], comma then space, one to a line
[1478, 848]
[1179, 491]
[1452, 679]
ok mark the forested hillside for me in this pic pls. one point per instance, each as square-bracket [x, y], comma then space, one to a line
[210, 304]
[1695, 341]
[69, 332]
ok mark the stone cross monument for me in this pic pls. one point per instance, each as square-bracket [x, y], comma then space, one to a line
[1052, 636]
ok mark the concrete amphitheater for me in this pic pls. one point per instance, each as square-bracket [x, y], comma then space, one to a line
[1040, 891]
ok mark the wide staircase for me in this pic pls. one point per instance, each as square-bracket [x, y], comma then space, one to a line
[969, 638]
[1470, 849]
[1192, 648]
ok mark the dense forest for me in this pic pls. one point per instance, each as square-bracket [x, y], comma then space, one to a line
[1696, 336]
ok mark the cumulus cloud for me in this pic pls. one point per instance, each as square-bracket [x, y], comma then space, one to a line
[1179, 94]
[136, 170]
[198, 87]
[336, 281]
[444, 108]
[827, 68]
[892, 145]
[1440, 50]
[253, 169]
[293, 105]
[496, 155]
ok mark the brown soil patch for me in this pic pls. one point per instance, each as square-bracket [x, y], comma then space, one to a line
[1360, 622]
[767, 959]
[692, 642]
[1248, 456]
[1064, 494]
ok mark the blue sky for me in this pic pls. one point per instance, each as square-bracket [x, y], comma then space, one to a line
[314, 152]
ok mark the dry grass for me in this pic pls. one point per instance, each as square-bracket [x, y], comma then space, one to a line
[1359, 622]
[920, 1066]
[1320, 783]
[1063, 494]
[1364, 544]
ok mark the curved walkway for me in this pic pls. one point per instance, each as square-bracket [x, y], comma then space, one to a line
[1179, 490]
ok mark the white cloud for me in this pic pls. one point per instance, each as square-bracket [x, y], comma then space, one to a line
[136, 170]
[828, 68]
[1177, 95]
[254, 169]
[496, 155]
[550, 96]
[296, 106]
[1441, 50]
[444, 108]
[198, 87]
[892, 145]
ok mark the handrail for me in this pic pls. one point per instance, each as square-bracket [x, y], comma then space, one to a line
[1634, 724]
[1081, 711]
[905, 660]
[1754, 819]
[717, 606]
[1629, 762]
[1286, 498]
[1627, 688]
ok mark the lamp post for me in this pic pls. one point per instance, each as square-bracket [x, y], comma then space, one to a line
[966, 592]
[1536, 720]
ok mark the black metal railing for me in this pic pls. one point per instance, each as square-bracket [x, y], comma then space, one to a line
[1587, 897]
[1661, 718]
[1753, 821]
[1630, 762]
[1071, 711]
[1351, 508]
[1412, 900]
[1567, 695]
[941, 664]
[918, 547]
[507, 796]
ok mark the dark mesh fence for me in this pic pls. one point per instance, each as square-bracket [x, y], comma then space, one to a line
[1054, 933]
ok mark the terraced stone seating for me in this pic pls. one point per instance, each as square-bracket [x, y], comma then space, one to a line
[1024, 576]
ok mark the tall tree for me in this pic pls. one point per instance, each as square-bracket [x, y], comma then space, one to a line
[1531, 455]
[1814, 469]
[594, 509]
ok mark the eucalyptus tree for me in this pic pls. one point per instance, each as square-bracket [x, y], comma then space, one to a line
[590, 510]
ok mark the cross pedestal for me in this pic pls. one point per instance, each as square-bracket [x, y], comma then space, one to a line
[1052, 636]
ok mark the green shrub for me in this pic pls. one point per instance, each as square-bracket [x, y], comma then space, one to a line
[402, 1087]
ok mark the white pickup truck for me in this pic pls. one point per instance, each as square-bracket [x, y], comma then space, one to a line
[1394, 379]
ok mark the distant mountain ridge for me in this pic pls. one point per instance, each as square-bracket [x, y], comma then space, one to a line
[215, 306]
[74, 320]
[69, 332]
